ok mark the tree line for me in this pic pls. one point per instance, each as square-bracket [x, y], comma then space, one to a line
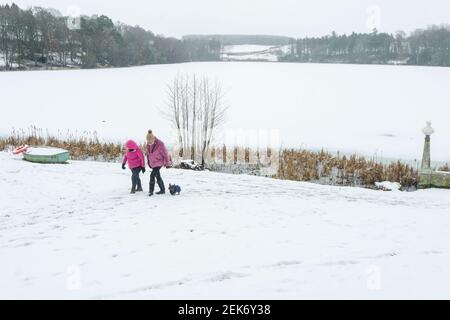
[41, 38]
[231, 39]
[426, 47]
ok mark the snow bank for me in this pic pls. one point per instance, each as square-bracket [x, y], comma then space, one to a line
[388, 186]
[74, 231]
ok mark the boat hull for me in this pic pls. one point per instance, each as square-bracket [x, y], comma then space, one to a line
[56, 158]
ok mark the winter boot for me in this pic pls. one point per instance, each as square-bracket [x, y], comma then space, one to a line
[162, 189]
[152, 188]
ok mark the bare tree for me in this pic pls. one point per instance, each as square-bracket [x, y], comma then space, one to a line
[173, 112]
[212, 115]
[196, 109]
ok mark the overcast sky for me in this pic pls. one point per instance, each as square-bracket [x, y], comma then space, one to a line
[278, 17]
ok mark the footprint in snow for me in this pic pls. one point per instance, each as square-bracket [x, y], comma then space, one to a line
[225, 276]
[428, 252]
[285, 264]
[387, 254]
[338, 263]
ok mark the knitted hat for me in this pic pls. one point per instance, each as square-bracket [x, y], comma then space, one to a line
[150, 136]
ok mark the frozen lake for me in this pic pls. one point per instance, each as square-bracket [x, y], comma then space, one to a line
[368, 109]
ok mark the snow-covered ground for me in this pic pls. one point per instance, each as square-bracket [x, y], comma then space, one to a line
[74, 231]
[369, 109]
[245, 48]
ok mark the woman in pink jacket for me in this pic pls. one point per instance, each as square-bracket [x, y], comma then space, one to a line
[158, 157]
[136, 162]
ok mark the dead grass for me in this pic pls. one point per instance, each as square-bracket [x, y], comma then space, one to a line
[303, 165]
[81, 146]
[324, 167]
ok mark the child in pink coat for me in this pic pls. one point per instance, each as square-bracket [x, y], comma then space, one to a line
[158, 157]
[136, 162]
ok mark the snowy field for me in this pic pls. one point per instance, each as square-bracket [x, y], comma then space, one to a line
[248, 52]
[245, 48]
[74, 231]
[368, 109]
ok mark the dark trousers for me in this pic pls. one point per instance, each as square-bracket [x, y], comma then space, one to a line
[156, 175]
[135, 180]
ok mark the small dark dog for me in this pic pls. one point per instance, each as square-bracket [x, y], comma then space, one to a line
[174, 189]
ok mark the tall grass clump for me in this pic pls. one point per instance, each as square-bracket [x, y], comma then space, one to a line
[85, 146]
[324, 167]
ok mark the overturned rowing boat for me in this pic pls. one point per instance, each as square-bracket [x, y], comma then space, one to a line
[46, 155]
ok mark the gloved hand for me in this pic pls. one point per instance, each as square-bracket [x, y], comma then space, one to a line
[123, 166]
[143, 170]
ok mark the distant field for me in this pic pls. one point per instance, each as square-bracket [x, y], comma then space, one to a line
[249, 52]
[245, 48]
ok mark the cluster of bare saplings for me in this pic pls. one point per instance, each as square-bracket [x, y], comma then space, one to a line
[196, 109]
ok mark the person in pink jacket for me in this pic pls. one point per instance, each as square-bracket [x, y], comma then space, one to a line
[157, 157]
[136, 162]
